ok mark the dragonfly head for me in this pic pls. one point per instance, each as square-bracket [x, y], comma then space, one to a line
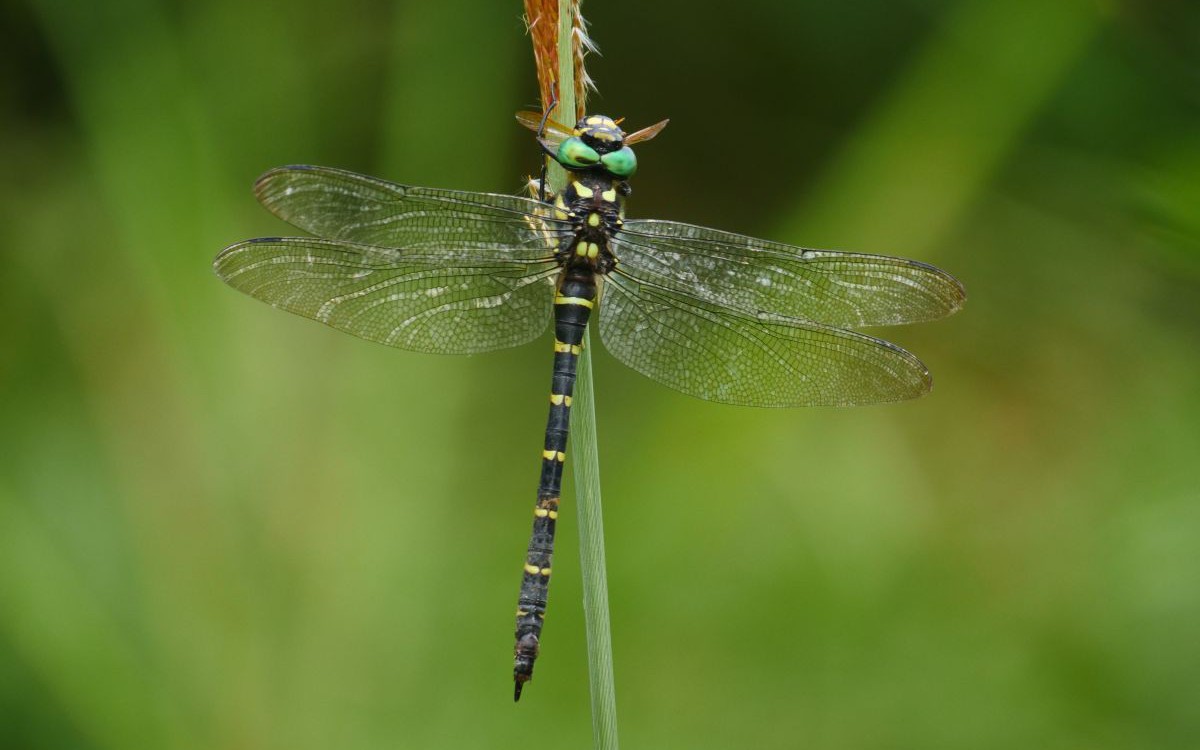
[595, 144]
[598, 143]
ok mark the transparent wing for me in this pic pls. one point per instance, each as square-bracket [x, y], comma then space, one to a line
[753, 276]
[554, 134]
[645, 134]
[767, 360]
[427, 302]
[340, 205]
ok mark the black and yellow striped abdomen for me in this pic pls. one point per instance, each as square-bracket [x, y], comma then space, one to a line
[573, 304]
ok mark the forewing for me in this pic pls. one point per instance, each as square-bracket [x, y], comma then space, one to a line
[420, 302]
[752, 275]
[645, 134]
[719, 355]
[339, 205]
[554, 133]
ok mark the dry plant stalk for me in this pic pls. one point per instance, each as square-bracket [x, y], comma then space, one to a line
[541, 21]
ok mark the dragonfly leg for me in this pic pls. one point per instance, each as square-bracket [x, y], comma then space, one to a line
[541, 133]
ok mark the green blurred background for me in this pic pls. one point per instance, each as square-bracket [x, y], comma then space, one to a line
[225, 527]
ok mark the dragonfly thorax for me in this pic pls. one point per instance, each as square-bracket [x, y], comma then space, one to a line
[594, 204]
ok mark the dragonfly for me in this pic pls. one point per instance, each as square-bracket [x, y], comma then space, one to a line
[712, 314]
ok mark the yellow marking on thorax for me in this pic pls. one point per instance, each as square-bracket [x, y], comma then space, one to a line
[587, 250]
[574, 301]
[610, 195]
[593, 219]
[583, 191]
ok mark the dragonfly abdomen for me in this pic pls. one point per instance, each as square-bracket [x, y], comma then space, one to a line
[573, 304]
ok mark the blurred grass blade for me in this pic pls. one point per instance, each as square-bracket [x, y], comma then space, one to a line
[918, 162]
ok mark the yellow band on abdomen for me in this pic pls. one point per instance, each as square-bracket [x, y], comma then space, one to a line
[574, 301]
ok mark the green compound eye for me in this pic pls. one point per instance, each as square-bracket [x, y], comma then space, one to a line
[620, 163]
[575, 153]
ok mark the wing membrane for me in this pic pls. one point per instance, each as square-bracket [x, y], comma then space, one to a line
[767, 360]
[753, 276]
[555, 132]
[428, 302]
[645, 134]
[339, 205]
